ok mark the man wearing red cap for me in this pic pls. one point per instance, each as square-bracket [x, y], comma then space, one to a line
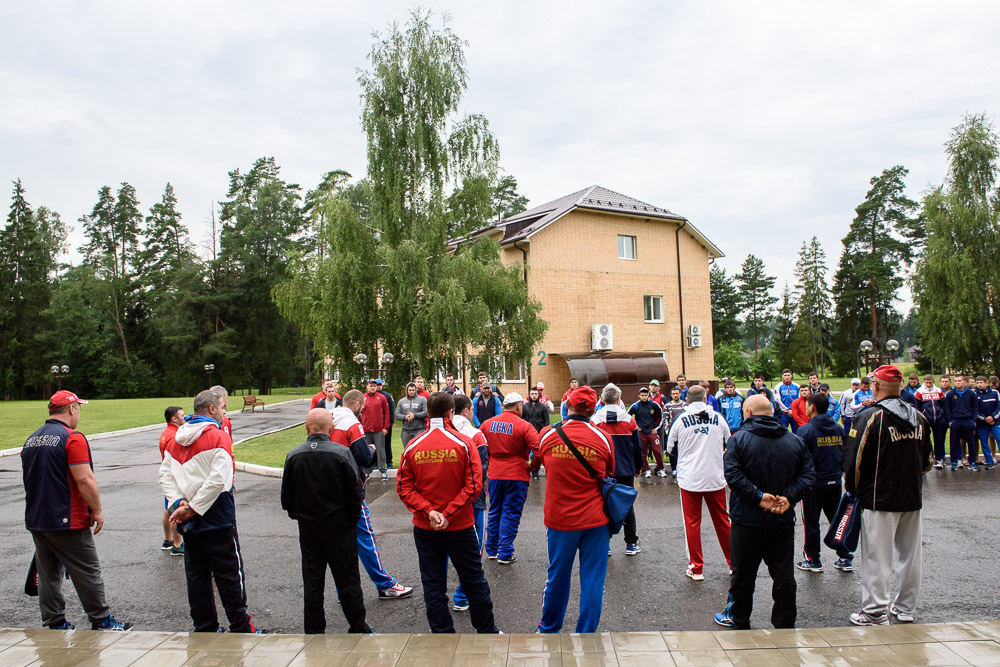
[61, 504]
[574, 513]
[886, 453]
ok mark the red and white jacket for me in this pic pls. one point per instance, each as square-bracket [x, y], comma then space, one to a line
[198, 466]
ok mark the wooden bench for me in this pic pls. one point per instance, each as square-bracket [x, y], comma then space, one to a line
[251, 401]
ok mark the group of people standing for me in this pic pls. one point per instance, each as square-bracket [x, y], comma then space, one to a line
[464, 471]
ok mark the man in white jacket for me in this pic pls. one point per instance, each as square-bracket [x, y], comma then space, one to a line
[196, 476]
[698, 438]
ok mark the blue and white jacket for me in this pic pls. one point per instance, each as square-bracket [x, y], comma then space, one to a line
[786, 395]
[988, 406]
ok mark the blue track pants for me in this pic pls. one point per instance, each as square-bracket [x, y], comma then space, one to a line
[506, 504]
[563, 545]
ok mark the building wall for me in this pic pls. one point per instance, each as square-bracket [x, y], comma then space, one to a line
[574, 271]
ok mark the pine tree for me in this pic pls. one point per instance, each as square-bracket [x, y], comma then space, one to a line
[29, 245]
[957, 282]
[785, 321]
[756, 299]
[814, 298]
[725, 307]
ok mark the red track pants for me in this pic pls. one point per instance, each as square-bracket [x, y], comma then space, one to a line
[691, 504]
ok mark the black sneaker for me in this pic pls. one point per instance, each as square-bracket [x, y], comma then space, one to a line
[65, 625]
[167, 545]
[507, 561]
[809, 566]
[844, 565]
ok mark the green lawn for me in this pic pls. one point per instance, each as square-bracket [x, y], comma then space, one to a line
[19, 419]
[270, 450]
[837, 384]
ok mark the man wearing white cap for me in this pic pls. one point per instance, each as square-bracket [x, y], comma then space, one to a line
[511, 440]
[62, 503]
[846, 401]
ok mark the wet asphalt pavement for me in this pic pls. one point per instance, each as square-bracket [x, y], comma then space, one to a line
[961, 529]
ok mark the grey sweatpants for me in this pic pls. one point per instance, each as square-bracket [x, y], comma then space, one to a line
[378, 440]
[884, 536]
[73, 551]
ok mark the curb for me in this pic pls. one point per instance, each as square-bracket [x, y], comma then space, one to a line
[140, 429]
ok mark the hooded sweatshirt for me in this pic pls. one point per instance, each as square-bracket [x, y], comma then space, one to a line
[418, 406]
[764, 457]
[198, 466]
[619, 426]
[347, 431]
[886, 453]
[825, 440]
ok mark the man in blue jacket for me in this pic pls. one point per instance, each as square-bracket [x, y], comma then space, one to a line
[909, 391]
[961, 407]
[825, 440]
[768, 470]
[731, 407]
[987, 417]
[786, 393]
[834, 409]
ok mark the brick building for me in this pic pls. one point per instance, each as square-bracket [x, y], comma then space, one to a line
[624, 287]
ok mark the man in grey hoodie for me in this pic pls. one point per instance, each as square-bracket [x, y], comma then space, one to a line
[412, 411]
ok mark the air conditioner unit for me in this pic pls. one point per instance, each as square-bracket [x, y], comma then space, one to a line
[694, 341]
[602, 337]
[694, 330]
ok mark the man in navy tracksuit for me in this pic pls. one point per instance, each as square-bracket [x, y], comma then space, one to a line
[908, 393]
[961, 407]
[930, 403]
[619, 426]
[648, 416]
[825, 440]
[987, 417]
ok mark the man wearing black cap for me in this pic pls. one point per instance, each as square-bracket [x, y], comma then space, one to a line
[62, 503]
[886, 453]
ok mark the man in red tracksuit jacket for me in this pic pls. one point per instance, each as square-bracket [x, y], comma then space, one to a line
[574, 514]
[439, 476]
[376, 420]
[511, 441]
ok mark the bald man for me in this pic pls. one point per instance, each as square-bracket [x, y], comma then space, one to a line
[320, 489]
[768, 470]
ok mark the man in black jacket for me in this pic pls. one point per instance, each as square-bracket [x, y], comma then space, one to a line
[768, 470]
[888, 449]
[320, 488]
[534, 411]
[825, 440]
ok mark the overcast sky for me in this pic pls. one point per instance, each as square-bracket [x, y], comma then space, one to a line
[761, 122]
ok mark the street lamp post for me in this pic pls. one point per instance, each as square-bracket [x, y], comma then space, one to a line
[59, 372]
[209, 369]
[384, 362]
[871, 355]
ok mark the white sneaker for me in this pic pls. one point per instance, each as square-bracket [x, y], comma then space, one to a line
[661, 473]
[647, 474]
[863, 619]
[696, 576]
[901, 616]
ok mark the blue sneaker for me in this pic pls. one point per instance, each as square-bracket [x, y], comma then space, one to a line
[111, 623]
[724, 621]
[65, 625]
[632, 549]
[177, 551]
[460, 606]
[810, 566]
[845, 565]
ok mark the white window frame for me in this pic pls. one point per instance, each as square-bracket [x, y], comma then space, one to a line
[332, 374]
[623, 247]
[662, 353]
[649, 300]
[522, 370]
[459, 371]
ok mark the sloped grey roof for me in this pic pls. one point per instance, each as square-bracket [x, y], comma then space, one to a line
[526, 224]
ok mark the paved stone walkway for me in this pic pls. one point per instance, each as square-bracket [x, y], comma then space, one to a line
[939, 644]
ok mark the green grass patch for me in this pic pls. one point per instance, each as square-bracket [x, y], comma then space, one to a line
[271, 449]
[19, 419]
